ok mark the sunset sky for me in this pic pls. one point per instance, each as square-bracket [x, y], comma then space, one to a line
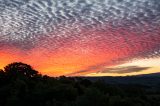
[81, 37]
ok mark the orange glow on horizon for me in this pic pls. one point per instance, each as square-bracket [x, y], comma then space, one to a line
[60, 63]
[70, 59]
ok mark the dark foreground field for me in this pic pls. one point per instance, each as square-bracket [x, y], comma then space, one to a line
[20, 85]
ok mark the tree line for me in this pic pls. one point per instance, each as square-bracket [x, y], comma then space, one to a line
[21, 85]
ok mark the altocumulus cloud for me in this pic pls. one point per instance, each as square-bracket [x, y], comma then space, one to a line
[123, 70]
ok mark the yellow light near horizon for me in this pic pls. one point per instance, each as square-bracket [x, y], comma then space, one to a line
[153, 63]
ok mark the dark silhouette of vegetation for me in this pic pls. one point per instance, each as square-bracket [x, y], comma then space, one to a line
[21, 85]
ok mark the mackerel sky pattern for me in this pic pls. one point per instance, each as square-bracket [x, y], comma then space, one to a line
[104, 31]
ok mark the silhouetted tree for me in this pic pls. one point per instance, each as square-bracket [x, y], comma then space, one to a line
[21, 85]
[19, 69]
[2, 77]
[92, 97]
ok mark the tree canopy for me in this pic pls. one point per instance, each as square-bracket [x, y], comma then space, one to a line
[21, 85]
[18, 69]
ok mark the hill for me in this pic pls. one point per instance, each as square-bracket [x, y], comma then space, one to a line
[145, 79]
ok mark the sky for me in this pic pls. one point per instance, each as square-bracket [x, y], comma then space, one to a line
[81, 37]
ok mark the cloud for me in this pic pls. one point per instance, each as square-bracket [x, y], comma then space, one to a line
[94, 31]
[98, 67]
[123, 70]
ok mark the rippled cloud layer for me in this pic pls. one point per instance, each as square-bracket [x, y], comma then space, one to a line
[68, 36]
